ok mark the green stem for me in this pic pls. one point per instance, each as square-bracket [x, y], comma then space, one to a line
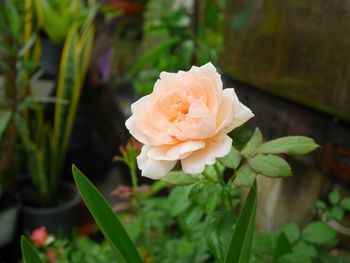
[138, 204]
[220, 177]
[219, 174]
[133, 173]
[207, 176]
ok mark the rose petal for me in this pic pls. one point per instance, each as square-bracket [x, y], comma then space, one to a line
[174, 152]
[130, 124]
[218, 146]
[241, 116]
[145, 129]
[153, 169]
[211, 73]
[198, 124]
[231, 113]
[140, 103]
[138, 135]
[210, 82]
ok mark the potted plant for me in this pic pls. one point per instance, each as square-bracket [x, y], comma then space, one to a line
[55, 18]
[16, 58]
[47, 200]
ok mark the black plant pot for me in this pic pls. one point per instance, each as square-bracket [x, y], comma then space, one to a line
[50, 56]
[59, 219]
[9, 208]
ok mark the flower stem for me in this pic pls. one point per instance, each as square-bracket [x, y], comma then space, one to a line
[226, 193]
[133, 173]
[138, 204]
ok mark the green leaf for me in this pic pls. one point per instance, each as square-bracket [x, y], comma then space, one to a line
[252, 144]
[292, 232]
[106, 219]
[85, 44]
[337, 213]
[215, 245]
[305, 249]
[334, 197]
[5, 117]
[283, 247]
[319, 233]
[178, 200]
[294, 258]
[231, 160]
[292, 145]
[270, 165]
[75, 56]
[67, 88]
[27, 46]
[320, 205]
[241, 241]
[180, 178]
[12, 17]
[264, 242]
[193, 217]
[32, 102]
[186, 51]
[23, 129]
[29, 253]
[213, 172]
[211, 203]
[58, 21]
[152, 54]
[195, 191]
[345, 203]
[245, 176]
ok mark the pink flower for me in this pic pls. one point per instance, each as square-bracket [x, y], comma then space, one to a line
[120, 207]
[186, 118]
[39, 236]
[122, 191]
[51, 256]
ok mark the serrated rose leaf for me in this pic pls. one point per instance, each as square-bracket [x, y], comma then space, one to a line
[270, 166]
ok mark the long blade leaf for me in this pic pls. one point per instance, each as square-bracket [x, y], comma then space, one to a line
[106, 219]
[5, 117]
[29, 253]
[283, 247]
[85, 48]
[241, 242]
[83, 53]
[65, 89]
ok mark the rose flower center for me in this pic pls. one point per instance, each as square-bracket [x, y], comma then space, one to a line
[175, 105]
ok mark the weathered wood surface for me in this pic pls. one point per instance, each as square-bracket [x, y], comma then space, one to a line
[297, 49]
[281, 201]
[292, 199]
